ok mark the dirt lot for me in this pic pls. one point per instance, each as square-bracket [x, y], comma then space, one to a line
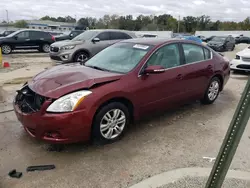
[176, 139]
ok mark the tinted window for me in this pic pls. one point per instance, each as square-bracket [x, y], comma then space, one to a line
[207, 53]
[103, 36]
[167, 56]
[193, 53]
[23, 35]
[38, 34]
[87, 35]
[119, 35]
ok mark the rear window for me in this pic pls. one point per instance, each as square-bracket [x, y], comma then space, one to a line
[193, 53]
[118, 36]
[207, 54]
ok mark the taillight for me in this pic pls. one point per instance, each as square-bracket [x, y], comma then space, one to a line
[53, 38]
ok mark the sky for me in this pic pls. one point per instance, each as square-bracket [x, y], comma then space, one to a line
[224, 10]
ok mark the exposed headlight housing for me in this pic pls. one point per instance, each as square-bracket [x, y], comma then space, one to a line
[237, 57]
[69, 102]
[67, 47]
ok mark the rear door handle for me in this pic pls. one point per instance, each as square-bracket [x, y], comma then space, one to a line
[179, 77]
[27, 39]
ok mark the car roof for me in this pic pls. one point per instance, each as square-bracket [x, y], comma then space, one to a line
[153, 41]
[33, 30]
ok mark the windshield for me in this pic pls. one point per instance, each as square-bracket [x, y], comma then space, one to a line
[87, 35]
[121, 57]
[13, 34]
[219, 39]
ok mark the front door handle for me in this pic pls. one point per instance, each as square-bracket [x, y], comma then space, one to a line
[27, 39]
[179, 77]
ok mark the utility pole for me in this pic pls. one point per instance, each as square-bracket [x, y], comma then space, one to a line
[179, 24]
[7, 15]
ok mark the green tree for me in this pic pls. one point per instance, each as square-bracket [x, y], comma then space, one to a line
[21, 24]
[190, 23]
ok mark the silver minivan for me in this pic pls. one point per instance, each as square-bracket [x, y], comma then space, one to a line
[87, 44]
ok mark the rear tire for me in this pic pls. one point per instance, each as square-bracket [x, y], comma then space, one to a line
[212, 91]
[45, 48]
[110, 123]
[6, 49]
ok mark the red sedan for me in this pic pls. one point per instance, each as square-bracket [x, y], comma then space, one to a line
[128, 80]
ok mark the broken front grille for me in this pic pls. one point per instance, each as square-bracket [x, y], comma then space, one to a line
[29, 101]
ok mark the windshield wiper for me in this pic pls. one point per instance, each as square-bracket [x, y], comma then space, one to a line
[98, 68]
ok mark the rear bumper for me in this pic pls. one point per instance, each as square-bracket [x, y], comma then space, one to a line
[217, 48]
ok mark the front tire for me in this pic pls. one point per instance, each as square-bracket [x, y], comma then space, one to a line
[110, 123]
[212, 91]
[81, 57]
[6, 49]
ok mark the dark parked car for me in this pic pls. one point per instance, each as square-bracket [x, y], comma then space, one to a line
[69, 36]
[87, 44]
[6, 33]
[27, 39]
[222, 43]
[242, 39]
[124, 82]
[208, 39]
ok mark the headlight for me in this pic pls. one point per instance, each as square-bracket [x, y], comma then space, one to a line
[237, 57]
[67, 47]
[68, 102]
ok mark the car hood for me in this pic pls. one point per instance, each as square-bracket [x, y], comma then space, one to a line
[66, 43]
[244, 53]
[63, 79]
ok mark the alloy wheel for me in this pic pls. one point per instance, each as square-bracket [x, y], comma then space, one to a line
[46, 48]
[82, 58]
[112, 124]
[6, 49]
[213, 90]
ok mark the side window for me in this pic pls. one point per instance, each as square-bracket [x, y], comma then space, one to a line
[118, 36]
[193, 53]
[207, 54]
[167, 56]
[23, 35]
[103, 36]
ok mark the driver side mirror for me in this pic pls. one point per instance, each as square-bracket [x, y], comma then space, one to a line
[154, 69]
[71, 35]
[95, 40]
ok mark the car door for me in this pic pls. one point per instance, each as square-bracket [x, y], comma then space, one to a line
[197, 71]
[102, 44]
[36, 38]
[159, 91]
[22, 40]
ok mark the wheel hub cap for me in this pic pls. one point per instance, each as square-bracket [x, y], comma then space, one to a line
[113, 123]
[213, 90]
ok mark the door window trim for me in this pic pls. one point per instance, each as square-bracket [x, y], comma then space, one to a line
[182, 57]
[203, 47]
[161, 46]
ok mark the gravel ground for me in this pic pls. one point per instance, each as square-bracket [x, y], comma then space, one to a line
[19, 60]
[191, 182]
[174, 139]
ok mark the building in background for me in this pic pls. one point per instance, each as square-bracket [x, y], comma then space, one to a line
[50, 25]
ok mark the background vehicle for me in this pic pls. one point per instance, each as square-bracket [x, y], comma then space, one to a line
[222, 43]
[87, 44]
[189, 37]
[242, 39]
[6, 33]
[26, 39]
[208, 39]
[241, 61]
[69, 36]
[123, 82]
